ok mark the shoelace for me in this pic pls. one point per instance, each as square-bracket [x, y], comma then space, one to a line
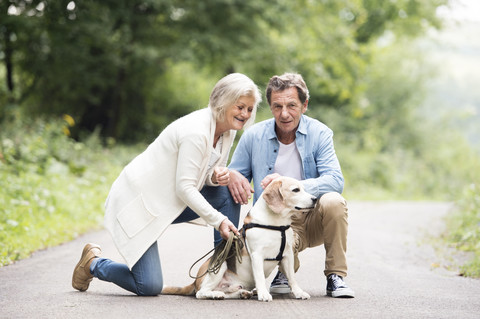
[281, 279]
[337, 281]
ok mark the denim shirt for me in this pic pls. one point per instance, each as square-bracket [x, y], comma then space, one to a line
[258, 147]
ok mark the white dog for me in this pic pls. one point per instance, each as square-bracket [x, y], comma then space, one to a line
[269, 242]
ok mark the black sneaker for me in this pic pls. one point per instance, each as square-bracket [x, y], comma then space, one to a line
[280, 284]
[336, 287]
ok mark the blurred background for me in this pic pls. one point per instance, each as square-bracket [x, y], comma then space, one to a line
[86, 85]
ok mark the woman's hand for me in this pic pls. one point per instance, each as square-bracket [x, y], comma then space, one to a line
[240, 188]
[221, 176]
[225, 227]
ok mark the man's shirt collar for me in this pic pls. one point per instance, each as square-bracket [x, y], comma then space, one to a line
[302, 128]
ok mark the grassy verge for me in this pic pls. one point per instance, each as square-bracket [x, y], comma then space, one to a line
[52, 188]
[463, 230]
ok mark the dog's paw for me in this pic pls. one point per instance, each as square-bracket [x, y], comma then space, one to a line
[245, 294]
[216, 295]
[301, 295]
[264, 296]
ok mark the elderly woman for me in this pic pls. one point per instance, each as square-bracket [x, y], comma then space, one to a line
[180, 176]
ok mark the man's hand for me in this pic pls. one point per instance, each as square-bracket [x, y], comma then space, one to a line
[268, 179]
[225, 227]
[239, 188]
[221, 176]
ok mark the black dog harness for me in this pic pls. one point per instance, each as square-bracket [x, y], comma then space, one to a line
[282, 229]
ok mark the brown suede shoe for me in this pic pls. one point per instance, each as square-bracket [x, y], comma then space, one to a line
[81, 274]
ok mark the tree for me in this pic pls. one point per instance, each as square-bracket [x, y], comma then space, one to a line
[97, 60]
[106, 62]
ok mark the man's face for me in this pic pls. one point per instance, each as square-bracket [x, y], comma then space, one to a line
[287, 109]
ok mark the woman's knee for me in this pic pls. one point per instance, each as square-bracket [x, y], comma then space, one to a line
[150, 288]
[228, 207]
[147, 273]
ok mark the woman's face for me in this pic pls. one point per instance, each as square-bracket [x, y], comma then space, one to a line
[238, 114]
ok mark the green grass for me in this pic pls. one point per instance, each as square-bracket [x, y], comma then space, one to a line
[463, 230]
[45, 210]
[52, 188]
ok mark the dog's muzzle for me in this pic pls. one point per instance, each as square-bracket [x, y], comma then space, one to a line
[314, 201]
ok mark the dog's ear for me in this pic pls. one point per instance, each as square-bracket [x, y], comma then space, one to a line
[273, 196]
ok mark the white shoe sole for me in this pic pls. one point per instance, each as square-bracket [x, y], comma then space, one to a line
[341, 293]
[280, 289]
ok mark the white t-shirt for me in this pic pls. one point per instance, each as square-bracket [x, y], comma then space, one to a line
[288, 161]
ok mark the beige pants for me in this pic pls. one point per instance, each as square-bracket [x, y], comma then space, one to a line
[326, 224]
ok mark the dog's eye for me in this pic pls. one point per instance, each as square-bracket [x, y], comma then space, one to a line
[296, 190]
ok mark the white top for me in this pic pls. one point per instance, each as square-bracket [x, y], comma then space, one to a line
[289, 162]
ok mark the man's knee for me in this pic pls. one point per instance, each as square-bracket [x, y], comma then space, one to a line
[333, 204]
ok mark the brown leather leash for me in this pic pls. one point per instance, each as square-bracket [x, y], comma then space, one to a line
[222, 252]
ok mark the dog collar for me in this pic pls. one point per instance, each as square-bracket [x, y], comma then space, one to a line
[281, 229]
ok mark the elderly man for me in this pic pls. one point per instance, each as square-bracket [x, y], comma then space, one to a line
[295, 145]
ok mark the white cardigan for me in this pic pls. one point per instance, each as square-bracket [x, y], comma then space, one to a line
[157, 185]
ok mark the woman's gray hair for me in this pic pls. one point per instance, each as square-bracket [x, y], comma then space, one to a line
[285, 81]
[228, 90]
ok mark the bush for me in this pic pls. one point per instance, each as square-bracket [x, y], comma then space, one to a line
[53, 188]
[464, 229]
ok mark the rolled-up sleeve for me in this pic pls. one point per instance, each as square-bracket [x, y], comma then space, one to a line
[324, 174]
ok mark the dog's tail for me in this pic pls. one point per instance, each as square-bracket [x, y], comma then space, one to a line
[185, 291]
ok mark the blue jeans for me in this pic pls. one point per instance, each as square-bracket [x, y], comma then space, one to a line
[145, 278]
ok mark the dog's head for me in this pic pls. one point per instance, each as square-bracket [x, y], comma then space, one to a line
[285, 194]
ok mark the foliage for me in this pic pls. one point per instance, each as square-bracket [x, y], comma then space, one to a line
[464, 229]
[53, 188]
[389, 150]
[106, 63]
[100, 60]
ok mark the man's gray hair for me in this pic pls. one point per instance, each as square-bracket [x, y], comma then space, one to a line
[285, 81]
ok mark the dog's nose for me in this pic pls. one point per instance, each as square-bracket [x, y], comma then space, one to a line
[314, 200]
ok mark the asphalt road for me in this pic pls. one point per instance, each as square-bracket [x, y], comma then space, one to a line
[392, 269]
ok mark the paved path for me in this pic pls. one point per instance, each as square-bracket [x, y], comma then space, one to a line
[389, 260]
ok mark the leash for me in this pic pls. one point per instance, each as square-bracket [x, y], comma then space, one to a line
[222, 252]
[281, 229]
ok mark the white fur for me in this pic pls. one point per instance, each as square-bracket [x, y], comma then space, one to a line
[282, 198]
[261, 244]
